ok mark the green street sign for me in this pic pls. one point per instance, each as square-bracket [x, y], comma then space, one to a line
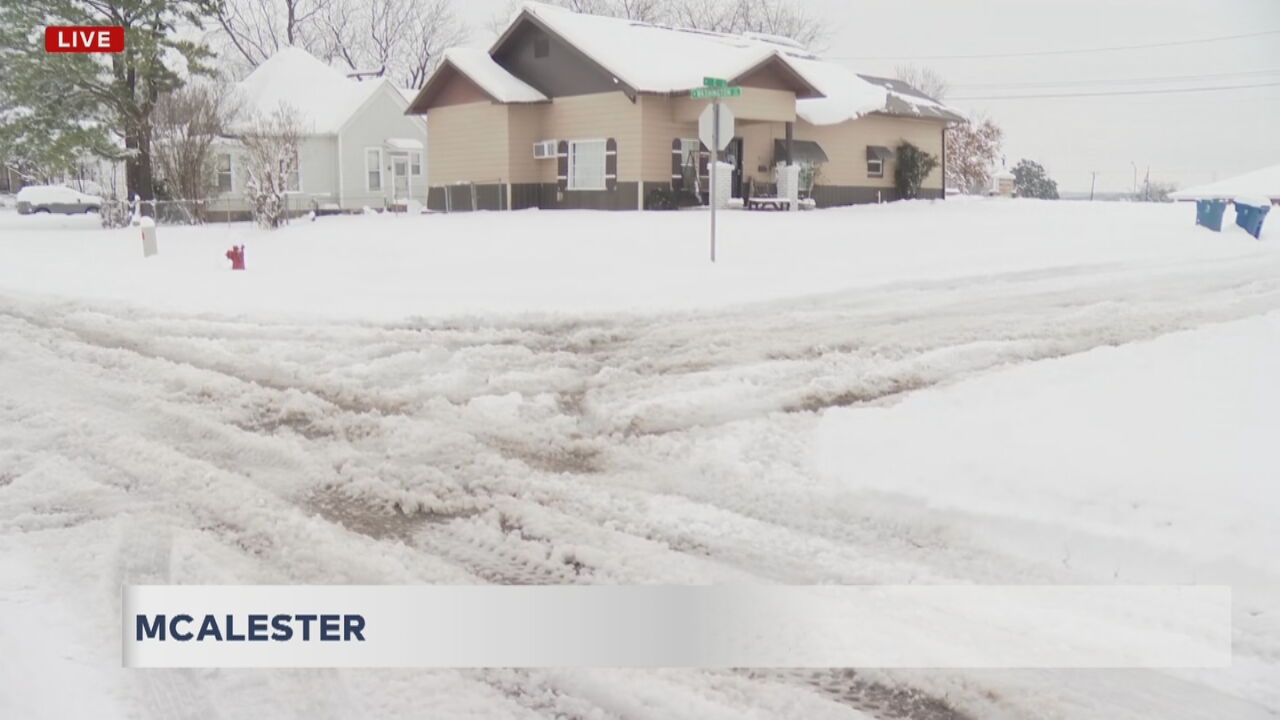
[708, 93]
[714, 82]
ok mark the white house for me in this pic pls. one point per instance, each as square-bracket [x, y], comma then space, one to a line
[359, 149]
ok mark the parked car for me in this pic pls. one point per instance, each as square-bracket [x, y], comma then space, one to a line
[56, 199]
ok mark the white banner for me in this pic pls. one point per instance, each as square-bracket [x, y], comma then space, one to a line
[492, 626]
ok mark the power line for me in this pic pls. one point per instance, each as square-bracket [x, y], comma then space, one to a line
[1120, 92]
[1113, 48]
[1112, 81]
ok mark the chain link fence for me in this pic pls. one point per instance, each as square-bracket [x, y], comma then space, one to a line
[117, 213]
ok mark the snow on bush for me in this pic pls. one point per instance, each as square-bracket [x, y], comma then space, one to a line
[271, 164]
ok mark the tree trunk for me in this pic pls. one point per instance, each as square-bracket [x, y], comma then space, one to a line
[138, 174]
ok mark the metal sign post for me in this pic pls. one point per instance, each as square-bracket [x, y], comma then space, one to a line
[715, 130]
[715, 170]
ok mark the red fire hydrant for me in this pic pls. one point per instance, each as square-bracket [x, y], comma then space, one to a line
[236, 256]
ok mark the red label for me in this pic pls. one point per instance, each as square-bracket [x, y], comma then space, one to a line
[62, 39]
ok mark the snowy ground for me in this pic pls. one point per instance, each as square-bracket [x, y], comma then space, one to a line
[993, 392]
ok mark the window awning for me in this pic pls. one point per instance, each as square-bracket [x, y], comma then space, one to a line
[879, 152]
[802, 151]
[404, 144]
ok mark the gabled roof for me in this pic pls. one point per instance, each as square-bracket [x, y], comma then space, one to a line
[651, 58]
[902, 99]
[487, 75]
[647, 58]
[323, 97]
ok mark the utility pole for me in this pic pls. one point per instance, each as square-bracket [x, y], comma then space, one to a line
[1093, 182]
[1135, 178]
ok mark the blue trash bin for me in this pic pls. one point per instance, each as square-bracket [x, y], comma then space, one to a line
[1209, 213]
[1250, 217]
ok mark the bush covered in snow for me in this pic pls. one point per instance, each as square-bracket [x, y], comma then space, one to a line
[271, 165]
[914, 165]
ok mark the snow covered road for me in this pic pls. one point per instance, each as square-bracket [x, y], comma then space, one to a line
[152, 446]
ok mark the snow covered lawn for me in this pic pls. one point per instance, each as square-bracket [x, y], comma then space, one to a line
[1152, 462]
[390, 267]
[948, 393]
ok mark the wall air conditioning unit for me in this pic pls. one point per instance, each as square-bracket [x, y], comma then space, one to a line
[545, 149]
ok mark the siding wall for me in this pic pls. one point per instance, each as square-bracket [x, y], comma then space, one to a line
[754, 104]
[525, 126]
[846, 147]
[317, 174]
[596, 117]
[757, 149]
[471, 143]
[382, 118]
[660, 127]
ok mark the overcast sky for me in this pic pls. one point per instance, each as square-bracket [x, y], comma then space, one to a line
[1186, 138]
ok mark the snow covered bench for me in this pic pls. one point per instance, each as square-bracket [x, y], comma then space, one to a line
[762, 202]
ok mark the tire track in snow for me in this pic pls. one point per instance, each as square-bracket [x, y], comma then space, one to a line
[627, 401]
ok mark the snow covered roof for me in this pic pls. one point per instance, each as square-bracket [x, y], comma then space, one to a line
[323, 96]
[1259, 183]
[653, 58]
[492, 77]
[663, 59]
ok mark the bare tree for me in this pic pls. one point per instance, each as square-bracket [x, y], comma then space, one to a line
[779, 17]
[784, 18]
[186, 123]
[400, 39]
[271, 146]
[651, 11]
[924, 79]
[258, 28]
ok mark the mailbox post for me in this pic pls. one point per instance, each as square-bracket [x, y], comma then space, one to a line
[148, 226]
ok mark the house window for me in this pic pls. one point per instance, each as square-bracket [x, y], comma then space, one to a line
[373, 168]
[223, 169]
[875, 167]
[541, 46]
[415, 164]
[586, 165]
[690, 162]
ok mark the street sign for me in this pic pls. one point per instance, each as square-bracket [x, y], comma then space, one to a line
[707, 127]
[714, 82]
[708, 93]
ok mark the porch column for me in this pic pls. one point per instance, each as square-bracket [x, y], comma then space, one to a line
[792, 172]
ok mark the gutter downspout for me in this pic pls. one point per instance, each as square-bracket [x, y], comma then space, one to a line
[341, 180]
[944, 161]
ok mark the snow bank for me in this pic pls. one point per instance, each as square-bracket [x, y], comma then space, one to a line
[391, 267]
[1259, 183]
[1168, 444]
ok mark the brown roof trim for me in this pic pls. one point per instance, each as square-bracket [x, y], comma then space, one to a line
[803, 88]
[426, 97]
[529, 17]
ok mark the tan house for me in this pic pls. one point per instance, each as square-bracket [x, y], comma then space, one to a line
[568, 110]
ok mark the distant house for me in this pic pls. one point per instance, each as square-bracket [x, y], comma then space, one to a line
[569, 110]
[359, 148]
